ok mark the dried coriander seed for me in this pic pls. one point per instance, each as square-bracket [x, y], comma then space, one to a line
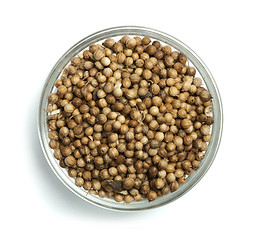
[129, 119]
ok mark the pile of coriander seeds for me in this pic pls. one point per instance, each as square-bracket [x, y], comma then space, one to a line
[129, 119]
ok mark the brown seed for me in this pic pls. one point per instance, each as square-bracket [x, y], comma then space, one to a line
[113, 153]
[162, 164]
[145, 189]
[102, 194]
[168, 61]
[186, 164]
[70, 161]
[182, 180]
[167, 50]
[205, 96]
[155, 143]
[153, 125]
[147, 74]
[53, 144]
[120, 57]
[154, 111]
[157, 44]
[131, 93]
[66, 151]
[118, 47]
[96, 185]
[151, 196]
[109, 43]
[130, 43]
[155, 89]
[129, 136]
[135, 114]
[113, 171]
[195, 164]
[128, 199]
[146, 40]
[178, 141]
[79, 181]
[122, 169]
[69, 108]
[182, 113]
[197, 143]
[179, 173]
[148, 64]
[87, 185]
[159, 54]
[87, 175]
[118, 197]
[143, 91]
[105, 61]
[71, 69]
[113, 137]
[103, 149]
[165, 190]
[170, 177]
[174, 186]
[72, 173]
[151, 49]
[128, 183]
[182, 58]
[191, 71]
[186, 123]
[159, 183]
[187, 140]
[53, 98]
[99, 54]
[205, 129]
[104, 174]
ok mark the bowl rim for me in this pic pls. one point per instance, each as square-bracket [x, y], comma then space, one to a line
[201, 68]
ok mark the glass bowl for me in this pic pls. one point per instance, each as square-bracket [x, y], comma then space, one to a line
[202, 71]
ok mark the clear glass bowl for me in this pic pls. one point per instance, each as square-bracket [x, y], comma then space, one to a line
[194, 60]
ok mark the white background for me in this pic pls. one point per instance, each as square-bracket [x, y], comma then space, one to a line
[36, 205]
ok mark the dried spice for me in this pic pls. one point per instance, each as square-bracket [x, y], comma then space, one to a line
[129, 119]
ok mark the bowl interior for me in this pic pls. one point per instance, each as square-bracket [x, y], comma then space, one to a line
[202, 71]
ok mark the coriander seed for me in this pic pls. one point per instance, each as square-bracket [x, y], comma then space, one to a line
[129, 120]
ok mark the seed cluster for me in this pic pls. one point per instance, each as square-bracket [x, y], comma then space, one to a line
[129, 119]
